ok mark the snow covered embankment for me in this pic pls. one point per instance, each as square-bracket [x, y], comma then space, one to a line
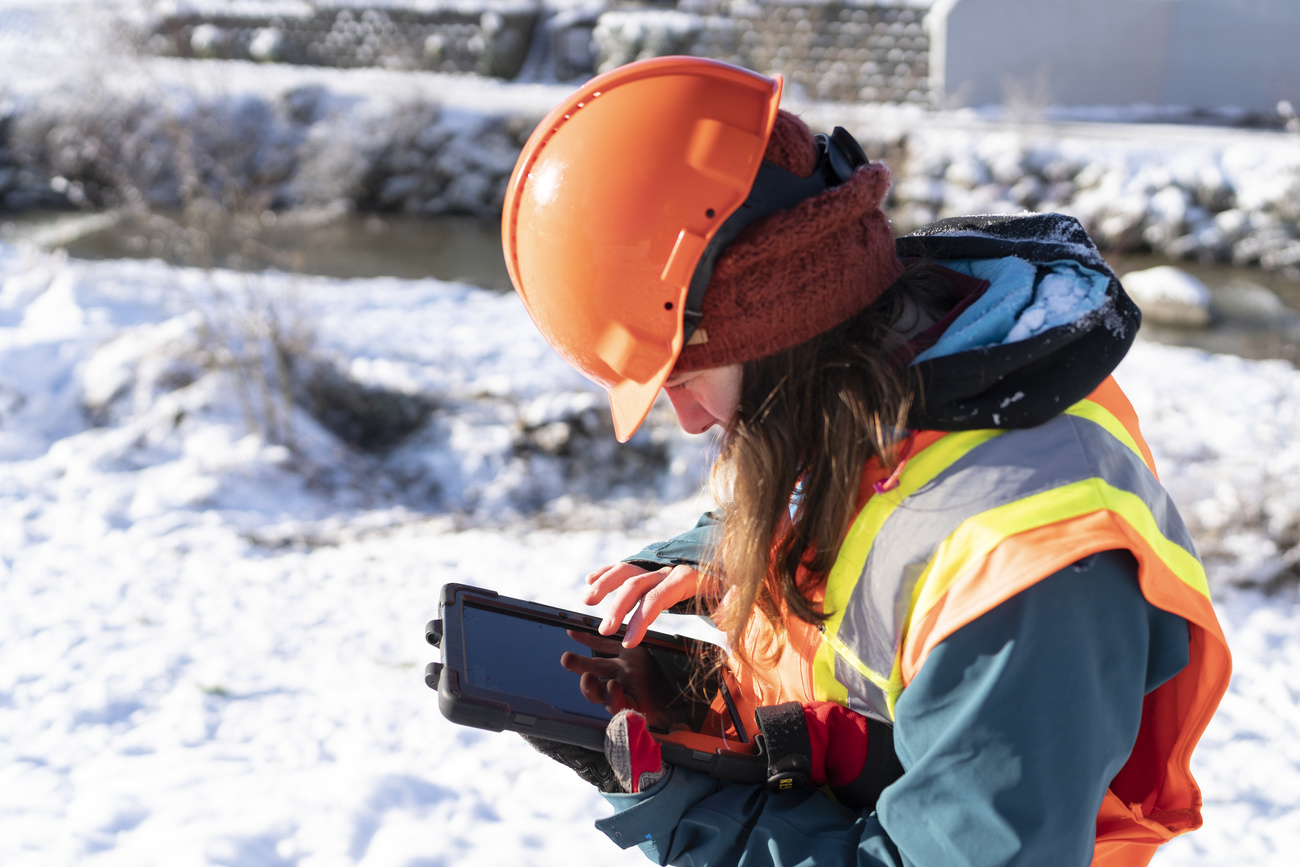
[287, 137]
[1185, 193]
[127, 394]
[122, 397]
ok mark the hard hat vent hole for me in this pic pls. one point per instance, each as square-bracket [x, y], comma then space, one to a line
[709, 213]
[668, 305]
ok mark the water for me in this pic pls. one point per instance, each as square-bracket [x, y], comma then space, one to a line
[326, 243]
[1256, 314]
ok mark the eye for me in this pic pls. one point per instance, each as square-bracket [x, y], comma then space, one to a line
[676, 386]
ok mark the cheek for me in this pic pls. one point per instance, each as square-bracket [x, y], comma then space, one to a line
[723, 397]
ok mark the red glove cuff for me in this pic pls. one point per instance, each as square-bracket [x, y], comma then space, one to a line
[838, 737]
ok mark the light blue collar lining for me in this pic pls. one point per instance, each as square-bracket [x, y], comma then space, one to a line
[1022, 301]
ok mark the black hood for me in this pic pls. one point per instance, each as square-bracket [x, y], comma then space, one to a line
[1021, 384]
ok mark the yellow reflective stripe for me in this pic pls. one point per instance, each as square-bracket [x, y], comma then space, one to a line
[852, 557]
[886, 685]
[855, 549]
[975, 539]
[1095, 412]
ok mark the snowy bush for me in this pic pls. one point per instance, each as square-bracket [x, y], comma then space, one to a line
[128, 374]
[369, 417]
[208, 162]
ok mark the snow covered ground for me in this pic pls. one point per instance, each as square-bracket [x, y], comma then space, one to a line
[211, 644]
[211, 647]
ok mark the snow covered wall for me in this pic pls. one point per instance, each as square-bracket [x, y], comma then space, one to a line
[486, 38]
[873, 51]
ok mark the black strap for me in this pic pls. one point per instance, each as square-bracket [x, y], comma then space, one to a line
[774, 190]
[786, 743]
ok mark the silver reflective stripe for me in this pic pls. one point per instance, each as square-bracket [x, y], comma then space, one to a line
[1004, 469]
[866, 704]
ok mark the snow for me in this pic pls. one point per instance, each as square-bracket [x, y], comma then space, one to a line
[211, 638]
[205, 657]
[210, 652]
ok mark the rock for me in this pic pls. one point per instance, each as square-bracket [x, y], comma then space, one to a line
[966, 173]
[267, 45]
[1169, 296]
[208, 40]
[1250, 302]
[1027, 192]
[1286, 257]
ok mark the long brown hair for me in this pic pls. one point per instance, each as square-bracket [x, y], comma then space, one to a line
[787, 477]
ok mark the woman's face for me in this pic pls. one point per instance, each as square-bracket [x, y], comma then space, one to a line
[703, 398]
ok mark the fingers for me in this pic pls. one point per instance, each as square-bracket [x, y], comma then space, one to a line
[595, 642]
[593, 665]
[616, 698]
[654, 592]
[623, 599]
[608, 578]
[592, 688]
[608, 692]
[679, 584]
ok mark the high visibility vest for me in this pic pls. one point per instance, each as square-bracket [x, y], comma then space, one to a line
[976, 517]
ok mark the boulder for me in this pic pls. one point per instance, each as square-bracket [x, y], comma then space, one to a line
[1169, 296]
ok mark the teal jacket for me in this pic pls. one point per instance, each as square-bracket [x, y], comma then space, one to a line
[1008, 737]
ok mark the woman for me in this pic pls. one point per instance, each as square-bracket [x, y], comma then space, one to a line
[937, 512]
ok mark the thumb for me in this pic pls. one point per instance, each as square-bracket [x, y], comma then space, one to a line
[633, 753]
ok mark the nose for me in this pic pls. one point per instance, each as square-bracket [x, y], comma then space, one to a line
[691, 415]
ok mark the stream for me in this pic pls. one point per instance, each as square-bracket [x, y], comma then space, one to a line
[1255, 313]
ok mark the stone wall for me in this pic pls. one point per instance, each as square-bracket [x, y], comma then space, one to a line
[483, 38]
[850, 51]
[839, 51]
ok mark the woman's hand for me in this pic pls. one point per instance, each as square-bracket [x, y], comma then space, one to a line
[622, 678]
[649, 593]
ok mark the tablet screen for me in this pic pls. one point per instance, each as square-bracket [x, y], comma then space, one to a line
[520, 656]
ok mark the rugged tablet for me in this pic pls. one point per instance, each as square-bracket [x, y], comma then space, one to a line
[501, 670]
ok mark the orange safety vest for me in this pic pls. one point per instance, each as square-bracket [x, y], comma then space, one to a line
[976, 517]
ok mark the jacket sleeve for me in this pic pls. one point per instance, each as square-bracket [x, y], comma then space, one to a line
[1008, 736]
[690, 548]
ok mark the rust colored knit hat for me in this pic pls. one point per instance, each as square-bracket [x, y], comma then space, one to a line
[795, 274]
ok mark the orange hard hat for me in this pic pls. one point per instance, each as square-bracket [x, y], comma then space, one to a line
[611, 207]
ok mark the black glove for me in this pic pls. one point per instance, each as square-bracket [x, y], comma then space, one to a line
[588, 764]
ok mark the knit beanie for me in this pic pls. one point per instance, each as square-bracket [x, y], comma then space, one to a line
[795, 274]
